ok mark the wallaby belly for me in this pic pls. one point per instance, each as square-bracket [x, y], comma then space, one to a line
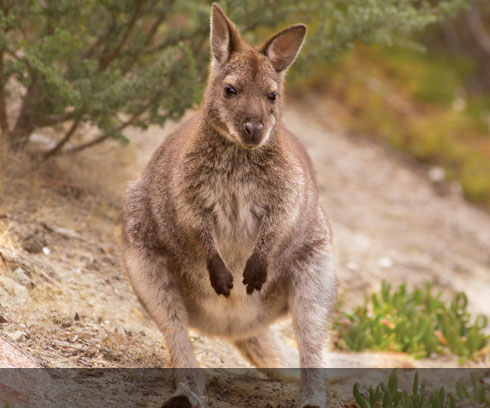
[239, 315]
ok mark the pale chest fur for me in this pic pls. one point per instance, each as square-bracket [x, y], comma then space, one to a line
[237, 208]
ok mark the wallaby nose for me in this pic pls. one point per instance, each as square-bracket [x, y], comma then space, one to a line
[253, 130]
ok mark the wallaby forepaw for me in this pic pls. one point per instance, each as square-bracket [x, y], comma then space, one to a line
[179, 401]
[255, 273]
[220, 276]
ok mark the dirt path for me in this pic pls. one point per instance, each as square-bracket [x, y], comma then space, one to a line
[64, 301]
[391, 222]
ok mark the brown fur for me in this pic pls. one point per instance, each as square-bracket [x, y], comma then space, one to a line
[220, 211]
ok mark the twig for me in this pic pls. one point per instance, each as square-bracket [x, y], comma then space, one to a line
[104, 62]
[88, 54]
[149, 37]
[56, 149]
[124, 125]
[91, 143]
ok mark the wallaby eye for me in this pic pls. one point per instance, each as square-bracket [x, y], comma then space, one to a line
[272, 97]
[229, 91]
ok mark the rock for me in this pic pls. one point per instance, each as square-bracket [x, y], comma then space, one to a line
[437, 174]
[26, 388]
[18, 335]
[21, 277]
[33, 244]
[12, 357]
[66, 232]
[12, 287]
[385, 262]
[3, 320]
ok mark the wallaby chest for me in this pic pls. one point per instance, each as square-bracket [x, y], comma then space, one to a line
[237, 205]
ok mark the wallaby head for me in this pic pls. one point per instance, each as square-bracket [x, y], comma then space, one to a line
[244, 93]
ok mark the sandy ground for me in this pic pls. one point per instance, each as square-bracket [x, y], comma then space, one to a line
[65, 302]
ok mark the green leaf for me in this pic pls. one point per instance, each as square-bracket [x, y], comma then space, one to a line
[359, 398]
[415, 387]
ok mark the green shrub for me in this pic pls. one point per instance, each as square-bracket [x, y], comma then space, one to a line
[389, 396]
[118, 63]
[417, 322]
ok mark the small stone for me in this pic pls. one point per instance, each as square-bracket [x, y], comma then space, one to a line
[21, 277]
[33, 244]
[385, 262]
[18, 335]
[437, 174]
[66, 232]
[66, 324]
[3, 320]
[46, 251]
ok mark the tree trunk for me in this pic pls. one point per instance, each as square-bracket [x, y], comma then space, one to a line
[26, 123]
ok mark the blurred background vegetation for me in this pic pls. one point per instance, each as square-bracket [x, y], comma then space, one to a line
[413, 74]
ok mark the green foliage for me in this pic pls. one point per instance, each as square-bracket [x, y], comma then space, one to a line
[476, 394]
[389, 396]
[118, 63]
[417, 322]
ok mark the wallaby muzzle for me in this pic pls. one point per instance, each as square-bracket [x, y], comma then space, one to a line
[252, 134]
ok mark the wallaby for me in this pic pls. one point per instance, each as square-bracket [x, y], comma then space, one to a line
[224, 231]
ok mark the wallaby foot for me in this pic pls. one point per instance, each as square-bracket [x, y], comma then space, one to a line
[179, 401]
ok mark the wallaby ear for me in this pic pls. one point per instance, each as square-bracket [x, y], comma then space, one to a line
[225, 38]
[283, 47]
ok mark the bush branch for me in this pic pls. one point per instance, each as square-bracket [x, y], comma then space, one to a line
[104, 62]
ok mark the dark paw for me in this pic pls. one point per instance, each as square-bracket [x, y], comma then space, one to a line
[179, 401]
[255, 273]
[220, 276]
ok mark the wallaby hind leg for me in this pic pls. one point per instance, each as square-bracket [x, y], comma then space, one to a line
[268, 352]
[311, 302]
[162, 299]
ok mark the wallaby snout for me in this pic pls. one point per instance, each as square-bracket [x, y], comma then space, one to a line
[252, 132]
